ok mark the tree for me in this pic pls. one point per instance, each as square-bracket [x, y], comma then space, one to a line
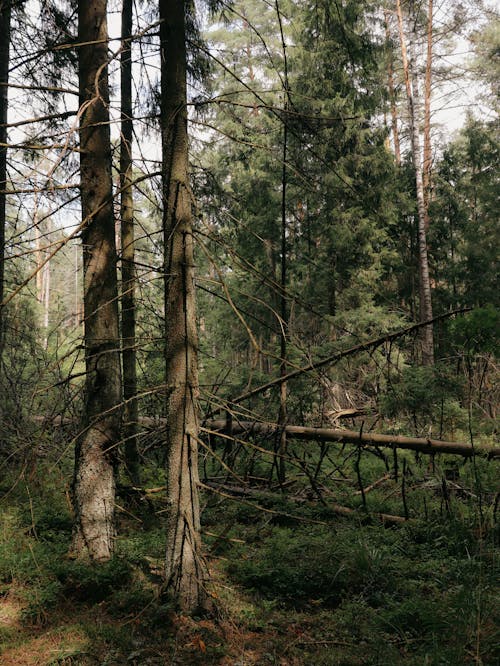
[412, 99]
[184, 565]
[128, 252]
[94, 476]
[5, 19]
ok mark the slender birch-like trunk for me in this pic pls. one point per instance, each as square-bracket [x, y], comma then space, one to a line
[423, 264]
[185, 569]
[94, 478]
[128, 252]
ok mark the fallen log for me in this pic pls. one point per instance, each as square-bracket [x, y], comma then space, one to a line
[427, 445]
[422, 445]
[238, 491]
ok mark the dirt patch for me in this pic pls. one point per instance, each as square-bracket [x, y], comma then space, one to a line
[10, 611]
[45, 649]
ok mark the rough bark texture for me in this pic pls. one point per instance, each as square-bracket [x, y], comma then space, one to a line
[5, 14]
[128, 253]
[423, 264]
[184, 566]
[94, 479]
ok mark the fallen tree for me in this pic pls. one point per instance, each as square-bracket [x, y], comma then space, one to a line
[427, 445]
[233, 492]
[223, 427]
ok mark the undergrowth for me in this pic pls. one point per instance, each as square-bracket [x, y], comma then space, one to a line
[292, 582]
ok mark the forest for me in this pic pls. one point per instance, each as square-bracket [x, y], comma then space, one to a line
[249, 332]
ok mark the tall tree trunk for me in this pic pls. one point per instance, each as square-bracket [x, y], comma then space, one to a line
[5, 15]
[392, 95]
[423, 264]
[427, 161]
[282, 416]
[185, 568]
[94, 478]
[128, 252]
[45, 300]
[284, 323]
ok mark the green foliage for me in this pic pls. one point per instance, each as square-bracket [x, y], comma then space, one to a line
[478, 331]
[312, 567]
[425, 392]
[92, 582]
[41, 599]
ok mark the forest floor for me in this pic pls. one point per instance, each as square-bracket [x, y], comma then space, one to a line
[292, 583]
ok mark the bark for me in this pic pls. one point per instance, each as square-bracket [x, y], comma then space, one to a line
[94, 478]
[284, 323]
[5, 20]
[185, 569]
[427, 162]
[429, 446]
[392, 96]
[423, 264]
[128, 253]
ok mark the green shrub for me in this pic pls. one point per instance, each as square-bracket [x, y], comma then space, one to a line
[319, 564]
[85, 581]
[41, 599]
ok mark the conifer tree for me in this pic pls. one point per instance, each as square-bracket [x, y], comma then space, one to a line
[128, 300]
[94, 477]
[185, 570]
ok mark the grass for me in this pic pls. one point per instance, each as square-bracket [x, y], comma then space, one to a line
[287, 591]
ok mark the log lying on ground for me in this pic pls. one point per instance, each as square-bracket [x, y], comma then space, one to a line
[428, 446]
[238, 491]
[420, 444]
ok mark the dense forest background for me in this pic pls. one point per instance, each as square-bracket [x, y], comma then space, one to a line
[249, 332]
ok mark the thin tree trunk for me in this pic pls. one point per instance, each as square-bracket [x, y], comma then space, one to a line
[423, 264]
[392, 96]
[282, 416]
[185, 569]
[284, 328]
[128, 252]
[5, 16]
[46, 291]
[94, 479]
[427, 162]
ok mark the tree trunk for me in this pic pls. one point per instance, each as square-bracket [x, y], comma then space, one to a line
[185, 569]
[392, 95]
[128, 252]
[427, 162]
[94, 478]
[5, 14]
[425, 286]
[284, 323]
